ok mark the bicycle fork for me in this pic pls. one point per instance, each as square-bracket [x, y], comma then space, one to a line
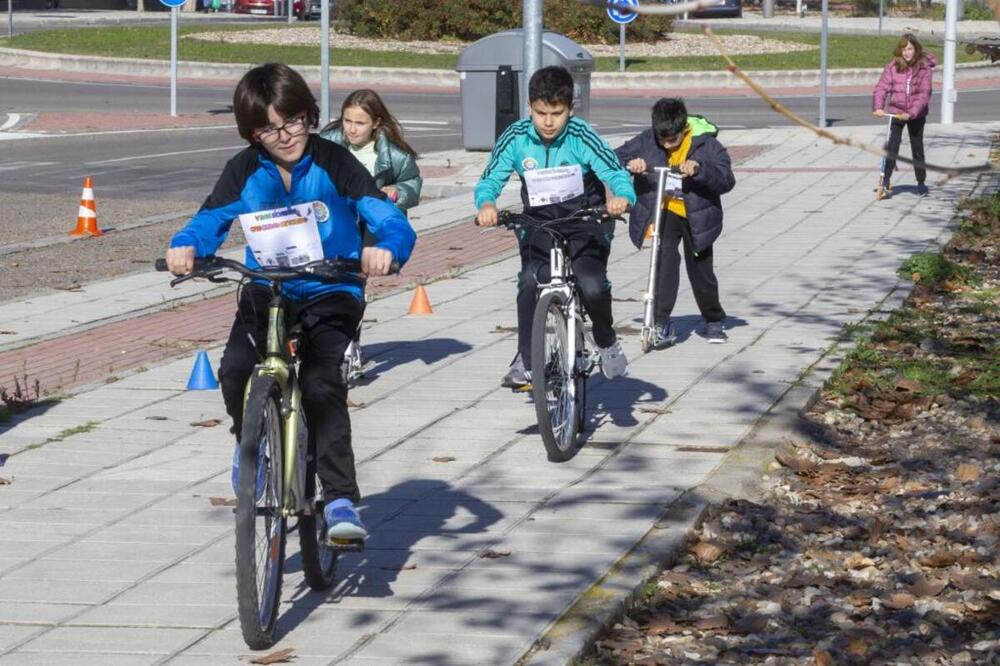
[646, 335]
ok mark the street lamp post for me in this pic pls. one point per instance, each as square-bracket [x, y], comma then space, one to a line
[324, 63]
[823, 42]
[948, 93]
[531, 18]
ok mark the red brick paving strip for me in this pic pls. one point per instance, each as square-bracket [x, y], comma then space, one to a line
[99, 353]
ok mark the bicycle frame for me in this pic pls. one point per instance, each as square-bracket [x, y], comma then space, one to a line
[560, 281]
[281, 363]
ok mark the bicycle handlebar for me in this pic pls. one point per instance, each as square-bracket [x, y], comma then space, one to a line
[323, 270]
[510, 220]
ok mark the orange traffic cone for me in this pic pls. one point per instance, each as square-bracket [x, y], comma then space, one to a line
[420, 305]
[86, 218]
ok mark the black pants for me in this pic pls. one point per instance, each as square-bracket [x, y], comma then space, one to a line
[589, 250]
[915, 128]
[675, 230]
[328, 325]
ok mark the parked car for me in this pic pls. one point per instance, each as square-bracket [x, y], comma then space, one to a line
[726, 9]
[266, 7]
[314, 9]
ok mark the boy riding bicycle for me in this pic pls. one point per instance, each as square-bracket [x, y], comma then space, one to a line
[286, 166]
[564, 166]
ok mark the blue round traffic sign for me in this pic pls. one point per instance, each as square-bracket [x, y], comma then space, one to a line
[616, 14]
[172, 3]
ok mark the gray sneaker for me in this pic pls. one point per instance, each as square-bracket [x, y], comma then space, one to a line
[516, 377]
[613, 361]
[664, 335]
[715, 332]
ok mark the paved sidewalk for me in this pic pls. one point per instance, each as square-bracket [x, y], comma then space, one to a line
[113, 552]
[850, 25]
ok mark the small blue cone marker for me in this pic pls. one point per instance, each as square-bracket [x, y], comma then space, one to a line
[202, 378]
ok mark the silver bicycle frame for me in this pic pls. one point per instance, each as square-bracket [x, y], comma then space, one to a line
[650, 297]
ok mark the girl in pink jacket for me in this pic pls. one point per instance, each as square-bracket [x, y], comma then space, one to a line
[906, 85]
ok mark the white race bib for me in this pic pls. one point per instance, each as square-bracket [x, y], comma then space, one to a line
[672, 186]
[283, 237]
[549, 186]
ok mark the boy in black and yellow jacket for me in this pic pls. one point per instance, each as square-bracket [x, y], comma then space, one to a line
[694, 218]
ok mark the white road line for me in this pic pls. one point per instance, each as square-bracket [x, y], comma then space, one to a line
[12, 119]
[424, 122]
[14, 166]
[171, 154]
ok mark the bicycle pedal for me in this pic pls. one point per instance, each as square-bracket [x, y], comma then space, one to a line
[346, 545]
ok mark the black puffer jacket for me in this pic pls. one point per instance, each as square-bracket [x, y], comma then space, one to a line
[702, 191]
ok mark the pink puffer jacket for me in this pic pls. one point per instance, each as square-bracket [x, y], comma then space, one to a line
[909, 91]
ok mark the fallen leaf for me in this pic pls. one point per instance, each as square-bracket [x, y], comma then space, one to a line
[8, 332]
[156, 418]
[858, 561]
[821, 658]
[663, 624]
[4, 481]
[207, 423]
[405, 567]
[222, 501]
[968, 472]
[443, 459]
[491, 554]
[898, 600]
[857, 647]
[706, 552]
[351, 403]
[712, 623]
[794, 463]
[927, 587]
[904, 385]
[279, 657]
[941, 558]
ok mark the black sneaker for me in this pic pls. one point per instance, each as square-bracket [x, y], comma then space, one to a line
[517, 377]
[715, 332]
[664, 335]
[922, 190]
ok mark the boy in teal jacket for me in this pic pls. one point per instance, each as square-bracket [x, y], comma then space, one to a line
[552, 138]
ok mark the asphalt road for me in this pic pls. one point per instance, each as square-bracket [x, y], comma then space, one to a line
[181, 163]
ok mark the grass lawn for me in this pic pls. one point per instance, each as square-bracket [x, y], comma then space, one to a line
[154, 42]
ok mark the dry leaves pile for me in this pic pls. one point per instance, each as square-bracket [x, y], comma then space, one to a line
[879, 545]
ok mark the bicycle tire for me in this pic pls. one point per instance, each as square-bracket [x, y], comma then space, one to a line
[552, 373]
[319, 561]
[260, 558]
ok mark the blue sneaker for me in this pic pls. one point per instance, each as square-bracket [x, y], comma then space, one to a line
[261, 471]
[344, 521]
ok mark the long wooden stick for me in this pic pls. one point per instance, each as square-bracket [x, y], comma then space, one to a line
[825, 133]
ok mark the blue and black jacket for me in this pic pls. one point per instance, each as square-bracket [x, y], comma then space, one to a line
[327, 173]
[520, 149]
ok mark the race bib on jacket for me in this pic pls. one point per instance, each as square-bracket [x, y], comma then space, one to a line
[553, 185]
[283, 237]
[673, 185]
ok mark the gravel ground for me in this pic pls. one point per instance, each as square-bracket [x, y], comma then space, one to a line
[67, 265]
[678, 44]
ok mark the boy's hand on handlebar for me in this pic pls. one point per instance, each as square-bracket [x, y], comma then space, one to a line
[376, 261]
[391, 192]
[689, 168]
[617, 206]
[638, 165]
[879, 113]
[180, 260]
[487, 216]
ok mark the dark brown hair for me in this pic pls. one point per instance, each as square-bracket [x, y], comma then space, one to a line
[897, 54]
[370, 102]
[272, 84]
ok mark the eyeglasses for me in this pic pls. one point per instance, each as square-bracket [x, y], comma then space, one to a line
[292, 127]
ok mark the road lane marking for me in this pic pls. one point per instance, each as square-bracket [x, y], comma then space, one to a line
[170, 154]
[12, 119]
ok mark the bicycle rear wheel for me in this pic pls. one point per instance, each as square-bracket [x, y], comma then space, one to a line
[319, 561]
[260, 525]
[556, 387]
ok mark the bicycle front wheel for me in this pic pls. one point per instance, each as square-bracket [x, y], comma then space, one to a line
[555, 385]
[260, 525]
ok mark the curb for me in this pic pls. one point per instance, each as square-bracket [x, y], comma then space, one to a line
[447, 79]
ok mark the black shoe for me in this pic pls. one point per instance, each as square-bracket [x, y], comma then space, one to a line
[715, 332]
[517, 377]
[922, 190]
[664, 335]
